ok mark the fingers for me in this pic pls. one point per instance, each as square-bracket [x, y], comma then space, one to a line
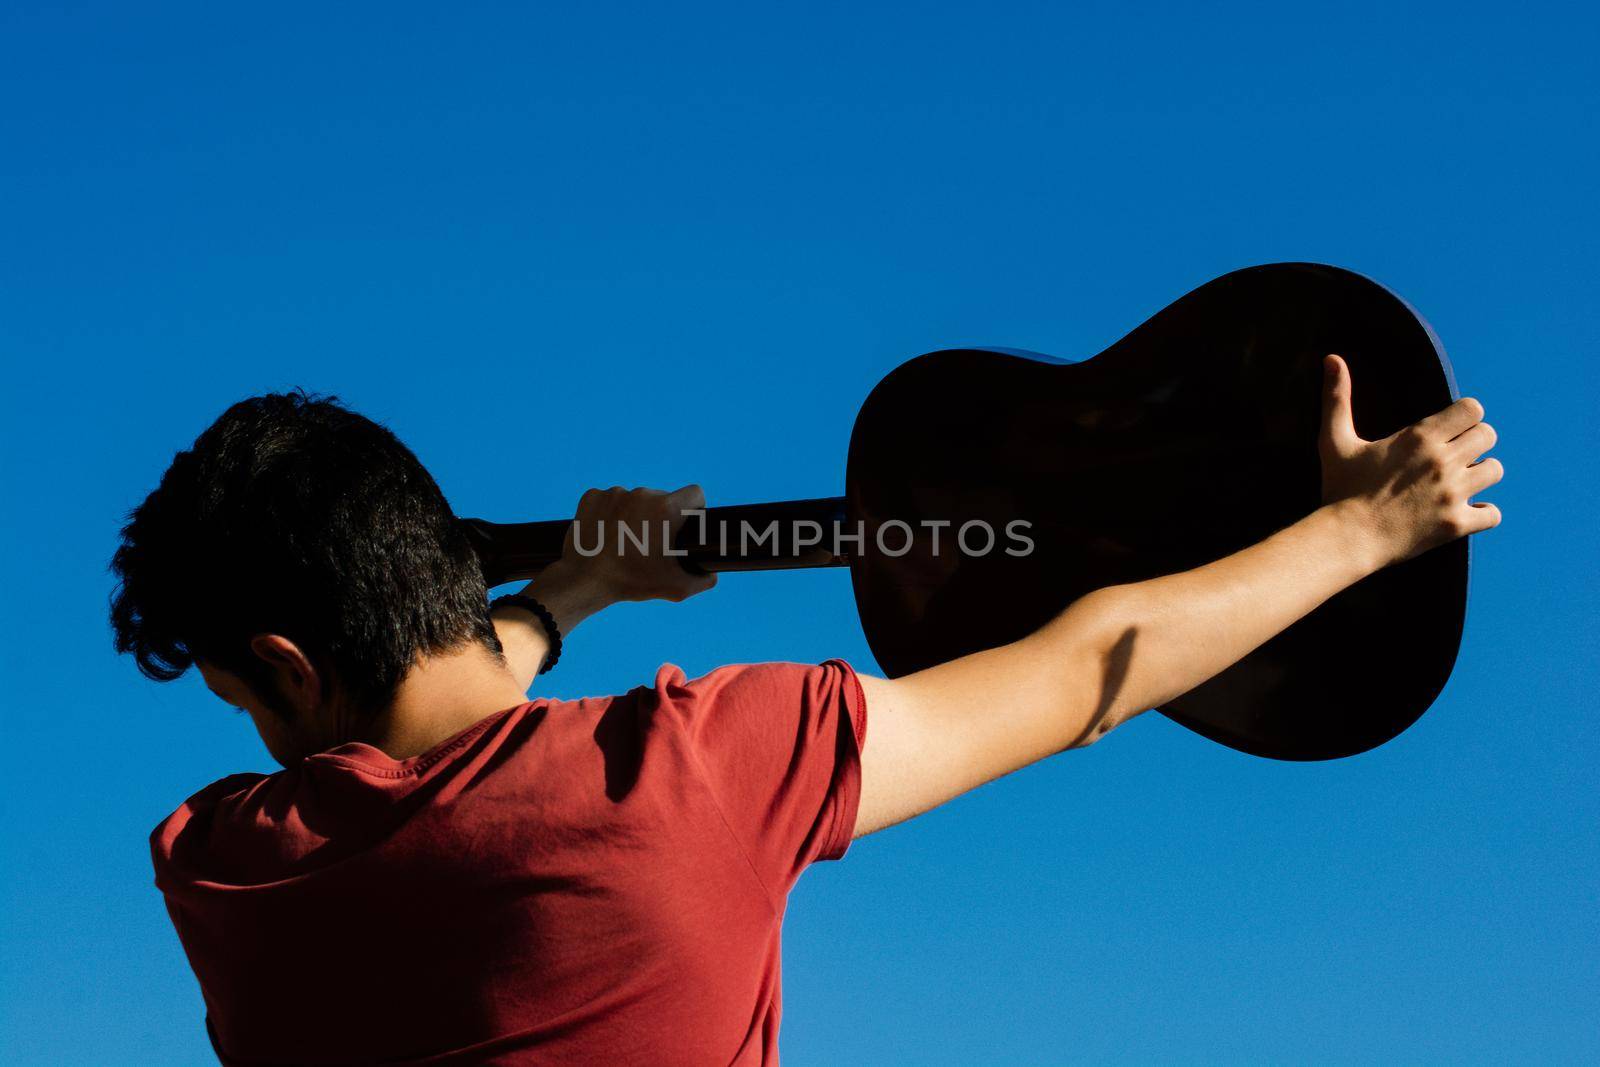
[1481, 476]
[1453, 420]
[1475, 518]
[1338, 420]
[689, 496]
[639, 502]
[1481, 517]
[1475, 441]
[642, 524]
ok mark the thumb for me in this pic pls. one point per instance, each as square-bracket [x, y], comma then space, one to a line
[1338, 423]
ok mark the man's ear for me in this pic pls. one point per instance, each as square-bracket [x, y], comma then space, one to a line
[297, 677]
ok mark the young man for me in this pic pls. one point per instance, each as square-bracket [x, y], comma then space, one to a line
[445, 872]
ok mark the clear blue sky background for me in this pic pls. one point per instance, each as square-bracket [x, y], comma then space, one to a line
[558, 246]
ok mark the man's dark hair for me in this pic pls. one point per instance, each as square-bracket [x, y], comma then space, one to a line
[293, 515]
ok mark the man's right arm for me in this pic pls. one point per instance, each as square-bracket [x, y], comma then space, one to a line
[1117, 651]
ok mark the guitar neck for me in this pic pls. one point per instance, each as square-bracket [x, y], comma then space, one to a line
[785, 535]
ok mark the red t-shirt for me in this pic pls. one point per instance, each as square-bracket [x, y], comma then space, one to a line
[590, 882]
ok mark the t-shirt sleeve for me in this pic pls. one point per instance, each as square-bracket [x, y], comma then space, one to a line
[779, 745]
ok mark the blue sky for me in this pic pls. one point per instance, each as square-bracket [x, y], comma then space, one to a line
[556, 246]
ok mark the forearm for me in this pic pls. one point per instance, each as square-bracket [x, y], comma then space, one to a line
[1107, 657]
[568, 594]
[1152, 641]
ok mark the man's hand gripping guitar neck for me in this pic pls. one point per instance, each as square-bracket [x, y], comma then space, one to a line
[612, 568]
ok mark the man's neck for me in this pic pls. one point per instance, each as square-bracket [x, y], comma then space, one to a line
[441, 696]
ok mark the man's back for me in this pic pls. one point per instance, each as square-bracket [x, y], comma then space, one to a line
[594, 881]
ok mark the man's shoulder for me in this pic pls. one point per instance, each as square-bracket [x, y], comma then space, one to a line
[761, 672]
[202, 805]
[772, 692]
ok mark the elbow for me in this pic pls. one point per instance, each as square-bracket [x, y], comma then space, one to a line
[1105, 626]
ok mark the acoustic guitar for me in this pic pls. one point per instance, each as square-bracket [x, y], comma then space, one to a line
[1193, 436]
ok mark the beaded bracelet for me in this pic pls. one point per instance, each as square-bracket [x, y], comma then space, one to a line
[540, 612]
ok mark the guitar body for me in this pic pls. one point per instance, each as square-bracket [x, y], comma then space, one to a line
[1192, 437]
